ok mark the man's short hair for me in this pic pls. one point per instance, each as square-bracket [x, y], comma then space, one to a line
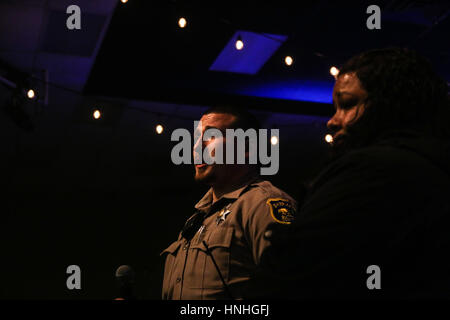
[244, 119]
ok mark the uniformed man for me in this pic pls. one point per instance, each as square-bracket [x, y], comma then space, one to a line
[220, 245]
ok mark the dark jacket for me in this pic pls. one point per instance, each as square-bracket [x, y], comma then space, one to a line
[387, 205]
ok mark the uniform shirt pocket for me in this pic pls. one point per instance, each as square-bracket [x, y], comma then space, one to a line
[171, 253]
[219, 243]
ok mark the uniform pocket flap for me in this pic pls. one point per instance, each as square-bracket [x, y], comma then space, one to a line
[172, 249]
[220, 237]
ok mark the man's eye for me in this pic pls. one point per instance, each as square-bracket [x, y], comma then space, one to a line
[347, 104]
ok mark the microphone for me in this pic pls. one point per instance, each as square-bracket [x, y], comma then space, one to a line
[125, 280]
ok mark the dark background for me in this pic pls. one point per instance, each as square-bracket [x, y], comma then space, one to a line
[102, 196]
[103, 193]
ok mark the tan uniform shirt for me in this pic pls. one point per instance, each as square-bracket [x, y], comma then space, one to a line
[236, 231]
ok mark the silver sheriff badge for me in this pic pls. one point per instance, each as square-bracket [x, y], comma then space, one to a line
[223, 214]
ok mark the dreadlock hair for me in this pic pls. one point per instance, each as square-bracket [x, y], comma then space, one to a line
[404, 93]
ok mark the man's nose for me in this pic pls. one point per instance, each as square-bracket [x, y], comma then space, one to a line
[334, 124]
[200, 143]
[197, 142]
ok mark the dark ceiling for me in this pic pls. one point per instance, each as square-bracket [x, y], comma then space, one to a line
[145, 55]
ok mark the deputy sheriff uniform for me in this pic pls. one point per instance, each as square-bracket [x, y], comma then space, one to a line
[226, 244]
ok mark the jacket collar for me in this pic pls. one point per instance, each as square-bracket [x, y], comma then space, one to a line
[206, 202]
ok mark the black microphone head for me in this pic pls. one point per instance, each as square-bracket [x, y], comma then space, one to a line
[125, 277]
[125, 274]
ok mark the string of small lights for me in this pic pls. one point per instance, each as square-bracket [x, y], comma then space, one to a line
[240, 44]
[159, 128]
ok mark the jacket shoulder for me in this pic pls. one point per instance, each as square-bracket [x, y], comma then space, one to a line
[265, 190]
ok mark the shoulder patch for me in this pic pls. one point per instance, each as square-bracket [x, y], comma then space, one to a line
[281, 210]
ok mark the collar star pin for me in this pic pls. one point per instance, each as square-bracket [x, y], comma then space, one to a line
[222, 216]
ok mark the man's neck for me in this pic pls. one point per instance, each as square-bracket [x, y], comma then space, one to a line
[219, 190]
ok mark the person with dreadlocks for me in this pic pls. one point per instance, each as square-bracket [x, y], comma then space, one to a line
[375, 222]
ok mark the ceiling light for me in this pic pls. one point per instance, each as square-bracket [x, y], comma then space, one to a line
[31, 94]
[334, 71]
[239, 43]
[182, 22]
[97, 114]
[288, 60]
[274, 140]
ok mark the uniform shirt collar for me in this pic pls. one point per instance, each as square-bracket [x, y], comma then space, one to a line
[207, 201]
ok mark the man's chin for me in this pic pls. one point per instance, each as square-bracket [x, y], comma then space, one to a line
[203, 175]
